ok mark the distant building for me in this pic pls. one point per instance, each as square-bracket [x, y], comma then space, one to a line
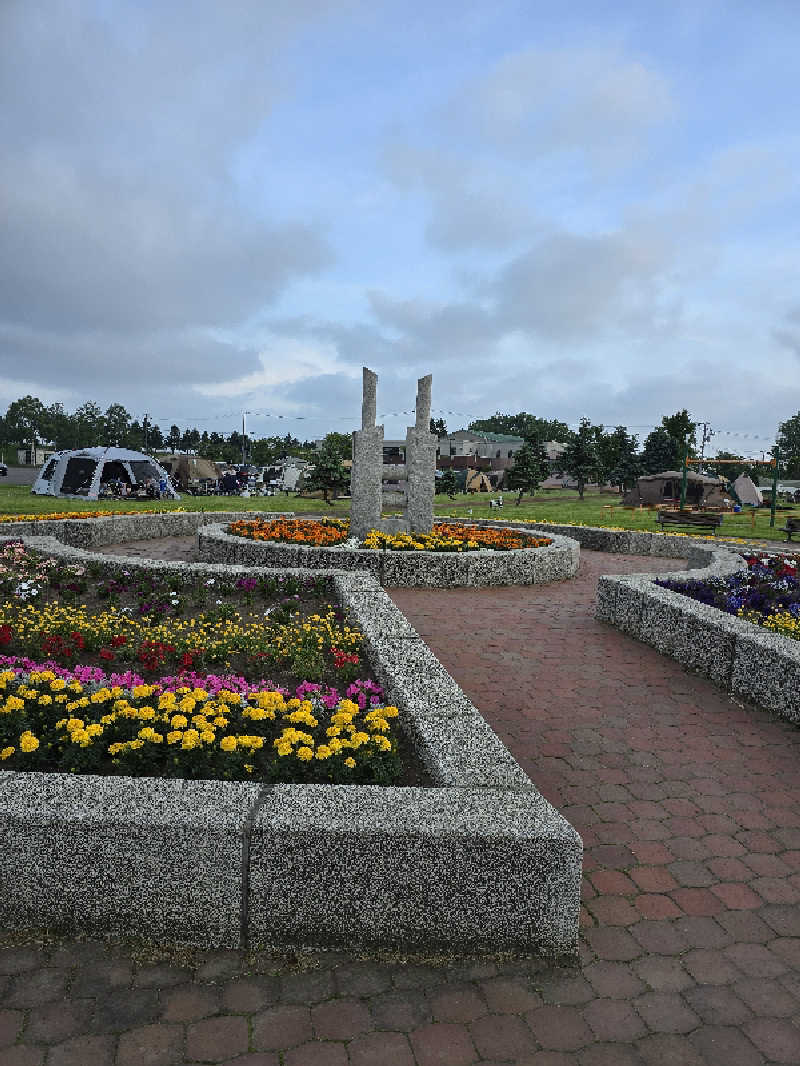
[36, 456]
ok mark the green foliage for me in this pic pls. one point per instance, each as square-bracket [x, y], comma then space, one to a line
[660, 452]
[580, 460]
[326, 472]
[448, 482]
[340, 444]
[530, 469]
[523, 425]
[682, 430]
[620, 464]
[788, 441]
[439, 427]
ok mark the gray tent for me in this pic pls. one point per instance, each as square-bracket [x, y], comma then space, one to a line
[654, 489]
[95, 473]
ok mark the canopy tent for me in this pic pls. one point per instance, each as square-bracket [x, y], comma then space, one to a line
[701, 490]
[91, 473]
[193, 473]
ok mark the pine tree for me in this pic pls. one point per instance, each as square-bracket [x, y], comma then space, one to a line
[326, 472]
[530, 468]
[580, 460]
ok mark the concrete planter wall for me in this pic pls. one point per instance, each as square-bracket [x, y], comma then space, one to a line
[479, 861]
[526, 566]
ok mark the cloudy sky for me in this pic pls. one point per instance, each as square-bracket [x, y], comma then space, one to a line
[572, 209]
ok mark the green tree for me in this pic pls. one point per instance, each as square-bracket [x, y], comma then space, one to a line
[523, 425]
[620, 464]
[531, 467]
[116, 423]
[682, 430]
[439, 427]
[448, 482]
[660, 452]
[326, 473]
[26, 421]
[788, 440]
[340, 443]
[89, 429]
[580, 460]
[174, 437]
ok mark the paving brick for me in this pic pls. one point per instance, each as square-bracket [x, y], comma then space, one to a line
[15, 961]
[443, 1044]
[53, 1023]
[153, 1045]
[217, 1039]
[308, 987]
[613, 1019]
[340, 1019]
[361, 979]
[755, 960]
[615, 980]
[456, 1003]
[22, 1055]
[660, 938]
[778, 1038]
[784, 920]
[746, 926]
[656, 907]
[11, 1026]
[665, 1012]
[615, 1054]
[510, 995]
[610, 882]
[189, 1003]
[614, 945]
[246, 995]
[767, 998]
[102, 976]
[316, 1054]
[737, 897]
[703, 932]
[36, 987]
[218, 964]
[669, 1049]
[388, 1049]
[717, 1005]
[85, 1051]
[689, 873]
[559, 1028]
[662, 974]
[281, 1027]
[502, 1036]
[726, 1046]
[123, 1009]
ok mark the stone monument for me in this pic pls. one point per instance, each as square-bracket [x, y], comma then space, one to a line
[421, 463]
[367, 472]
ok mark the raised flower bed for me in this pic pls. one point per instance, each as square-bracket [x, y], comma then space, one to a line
[453, 555]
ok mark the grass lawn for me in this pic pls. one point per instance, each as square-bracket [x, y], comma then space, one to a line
[553, 505]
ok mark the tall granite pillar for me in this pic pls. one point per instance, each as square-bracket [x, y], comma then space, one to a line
[367, 472]
[421, 463]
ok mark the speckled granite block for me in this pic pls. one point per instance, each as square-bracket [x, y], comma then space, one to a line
[453, 868]
[557, 562]
[629, 604]
[706, 641]
[660, 622]
[160, 860]
[606, 600]
[423, 569]
[463, 751]
[766, 671]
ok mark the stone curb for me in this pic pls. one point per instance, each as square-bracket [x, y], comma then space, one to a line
[480, 859]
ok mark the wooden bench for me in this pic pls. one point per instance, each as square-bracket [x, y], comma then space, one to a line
[690, 519]
[792, 526]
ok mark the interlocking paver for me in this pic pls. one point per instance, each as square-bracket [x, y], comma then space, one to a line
[689, 807]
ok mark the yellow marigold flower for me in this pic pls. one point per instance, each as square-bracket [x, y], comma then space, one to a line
[45, 700]
[187, 704]
[228, 743]
[304, 754]
[58, 684]
[200, 694]
[115, 749]
[208, 736]
[249, 767]
[147, 714]
[191, 739]
[147, 733]
[350, 763]
[142, 692]
[28, 742]
[13, 703]
[6, 753]
[179, 721]
[283, 749]
[174, 737]
[94, 730]
[323, 752]
[75, 723]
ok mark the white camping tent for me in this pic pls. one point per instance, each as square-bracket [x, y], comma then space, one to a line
[747, 491]
[92, 473]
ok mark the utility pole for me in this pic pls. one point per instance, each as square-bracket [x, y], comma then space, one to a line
[708, 433]
[144, 427]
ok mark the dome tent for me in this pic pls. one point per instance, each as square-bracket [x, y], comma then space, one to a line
[80, 474]
[654, 489]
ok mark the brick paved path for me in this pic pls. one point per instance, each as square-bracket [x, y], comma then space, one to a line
[690, 809]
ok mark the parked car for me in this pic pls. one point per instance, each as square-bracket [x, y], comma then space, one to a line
[3, 470]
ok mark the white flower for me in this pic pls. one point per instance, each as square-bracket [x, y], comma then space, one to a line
[210, 581]
[219, 601]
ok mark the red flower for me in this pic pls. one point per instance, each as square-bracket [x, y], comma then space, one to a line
[118, 642]
[106, 653]
[6, 633]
